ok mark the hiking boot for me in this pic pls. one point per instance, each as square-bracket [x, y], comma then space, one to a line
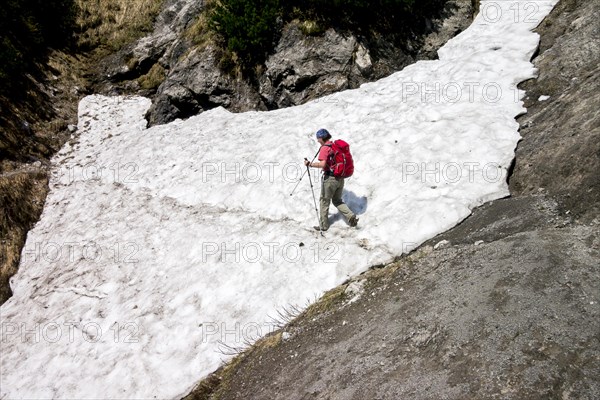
[353, 221]
[318, 228]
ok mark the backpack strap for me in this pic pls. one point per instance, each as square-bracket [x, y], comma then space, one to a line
[330, 161]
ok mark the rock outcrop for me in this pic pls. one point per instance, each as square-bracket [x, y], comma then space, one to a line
[560, 152]
[306, 67]
[197, 84]
[119, 72]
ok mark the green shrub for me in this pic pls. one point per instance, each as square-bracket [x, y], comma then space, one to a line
[387, 16]
[248, 26]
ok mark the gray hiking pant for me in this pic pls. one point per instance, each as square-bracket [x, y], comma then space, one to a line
[331, 191]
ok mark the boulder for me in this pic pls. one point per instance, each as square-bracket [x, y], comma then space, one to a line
[305, 67]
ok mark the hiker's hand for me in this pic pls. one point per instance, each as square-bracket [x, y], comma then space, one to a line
[306, 162]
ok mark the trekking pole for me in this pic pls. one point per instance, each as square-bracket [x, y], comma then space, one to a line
[297, 183]
[315, 200]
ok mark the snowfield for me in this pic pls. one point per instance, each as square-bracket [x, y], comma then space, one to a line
[157, 244]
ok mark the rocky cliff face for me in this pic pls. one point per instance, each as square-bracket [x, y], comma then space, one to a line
[196, 84]
[505, 305]
[560, 152]
[120, 72]
[306, 67]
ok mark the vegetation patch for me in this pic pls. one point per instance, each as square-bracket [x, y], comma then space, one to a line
[108, 25]
[153, 79]
[247, 26]
[311, 28]
[200, 32]
[22, 195]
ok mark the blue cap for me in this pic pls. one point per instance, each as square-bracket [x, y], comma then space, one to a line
[322, 133]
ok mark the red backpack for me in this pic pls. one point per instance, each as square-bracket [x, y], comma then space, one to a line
[340, 162]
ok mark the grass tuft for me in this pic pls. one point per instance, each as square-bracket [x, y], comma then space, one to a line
[22, 195]
[153, 79]
[213, 386]
[110, 24]
[311, 28]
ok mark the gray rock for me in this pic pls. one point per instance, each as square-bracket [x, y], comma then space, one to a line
[561, 147]
[163, 45]
[363, 59]
[307, 67]
[197, 84]
[166, 37]
[457, 17]
[441, 244]
[304, 67]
